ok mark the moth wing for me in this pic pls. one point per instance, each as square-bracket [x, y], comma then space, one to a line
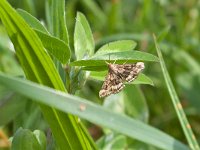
[112, 84]
[130, 72]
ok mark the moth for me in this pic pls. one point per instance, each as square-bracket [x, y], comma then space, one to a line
[118, 75]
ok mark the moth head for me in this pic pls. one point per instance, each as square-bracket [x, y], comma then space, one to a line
[140, 65]
[113, 68]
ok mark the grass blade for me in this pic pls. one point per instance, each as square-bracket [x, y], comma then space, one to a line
[92, 112]
[39, 67]
[59, 21]
[176, 102]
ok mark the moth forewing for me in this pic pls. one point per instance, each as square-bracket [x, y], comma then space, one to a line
[117, 75]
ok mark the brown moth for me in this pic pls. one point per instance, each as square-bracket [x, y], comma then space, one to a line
[117, 75]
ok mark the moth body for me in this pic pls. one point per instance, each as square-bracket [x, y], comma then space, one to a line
[117, 75]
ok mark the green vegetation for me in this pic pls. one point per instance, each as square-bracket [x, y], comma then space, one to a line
[50, 79]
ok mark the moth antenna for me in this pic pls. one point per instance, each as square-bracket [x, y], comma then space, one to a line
[107, 62]
[125, 61]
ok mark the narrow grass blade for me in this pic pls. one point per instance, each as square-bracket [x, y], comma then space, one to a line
[59, 21]
[176, 102]
[39, 67]
[92, 112]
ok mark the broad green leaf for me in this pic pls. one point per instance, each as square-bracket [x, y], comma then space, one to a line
[39, 67]
[92, 112]
[177, 104]
[141, 79]
[95, 68]
[135, 103]
[114, 103]
[89, 37]
[83, 38]
[56, 47]
[24, 139]
[122, 36]
[32, 21]
[117, 46]
[120, 57]
[40, 136]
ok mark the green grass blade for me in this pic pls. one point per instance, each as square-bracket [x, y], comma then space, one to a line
[59, 21]
[92, 112]
[176, 102]
[39, 67]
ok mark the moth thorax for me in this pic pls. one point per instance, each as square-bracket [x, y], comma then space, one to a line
[112, 68]
[140, 65]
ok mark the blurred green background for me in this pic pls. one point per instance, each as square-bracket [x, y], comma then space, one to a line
[122, 19]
